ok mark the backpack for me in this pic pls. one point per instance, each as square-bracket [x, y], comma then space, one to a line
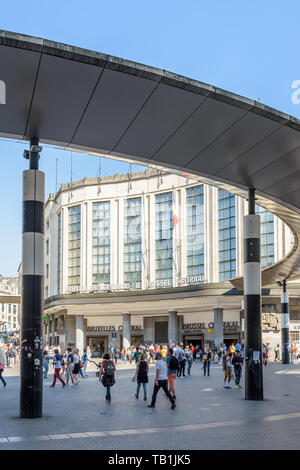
[174, 363]
[109, 369]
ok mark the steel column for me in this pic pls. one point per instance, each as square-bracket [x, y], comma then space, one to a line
[252, 293]
[31, 368]
[285, 325]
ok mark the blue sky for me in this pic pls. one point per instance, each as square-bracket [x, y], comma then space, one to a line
[250, 48]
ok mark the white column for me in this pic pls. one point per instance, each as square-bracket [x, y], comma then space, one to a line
[145, 241]
[114, 240]
[83, 248]
[89, 245]
[64, 250]
[213, 241]
[182, 231]
[239, 236]
[152, 237]
[176, 236]
[173, 327]
[80, 333]
[121, 243]
[218, 326]
[126, 330]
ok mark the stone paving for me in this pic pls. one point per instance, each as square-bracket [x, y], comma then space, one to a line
[206, 416]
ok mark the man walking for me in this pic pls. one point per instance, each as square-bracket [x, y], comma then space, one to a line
[237, 362]
[172, 365]
[206, 361]
[161, 381]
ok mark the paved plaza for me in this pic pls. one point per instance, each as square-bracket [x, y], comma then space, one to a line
[206, 416]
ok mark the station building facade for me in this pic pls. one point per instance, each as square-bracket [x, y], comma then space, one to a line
[147, 257]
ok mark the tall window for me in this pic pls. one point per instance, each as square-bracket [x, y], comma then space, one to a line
[101, 242]
[164, 239]
[58, 251]
[133, 242]
[227, 237]
[195, 233]
[74, 246]
[266, 236]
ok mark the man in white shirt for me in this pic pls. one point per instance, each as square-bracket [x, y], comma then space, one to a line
[161, 381]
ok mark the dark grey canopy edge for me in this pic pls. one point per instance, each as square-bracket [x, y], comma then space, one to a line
[86, 56]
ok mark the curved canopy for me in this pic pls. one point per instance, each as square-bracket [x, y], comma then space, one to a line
[92, 102]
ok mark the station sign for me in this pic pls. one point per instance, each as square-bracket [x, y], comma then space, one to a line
[111, 328]
[201, 326]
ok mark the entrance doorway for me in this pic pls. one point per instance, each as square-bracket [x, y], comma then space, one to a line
[98, 345]
[161, 332]
[230, 340]
[194, 340]
[134, 340]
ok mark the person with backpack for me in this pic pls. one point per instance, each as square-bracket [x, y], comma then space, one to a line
[173, 366]
[141, 376]
[107, 374]
[180, 356]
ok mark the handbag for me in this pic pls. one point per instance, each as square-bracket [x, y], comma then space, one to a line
[2, 366]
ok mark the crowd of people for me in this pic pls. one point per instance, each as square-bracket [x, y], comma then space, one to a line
[171, 362]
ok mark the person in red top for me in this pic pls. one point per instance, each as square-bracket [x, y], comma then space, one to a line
[193, 351]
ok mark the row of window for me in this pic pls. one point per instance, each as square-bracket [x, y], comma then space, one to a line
[165, 222]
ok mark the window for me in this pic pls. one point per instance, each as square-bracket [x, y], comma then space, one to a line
[74, 240]
[227, 237]
[14, 309]
[101, 242]
[164, 238]
[294, 336]
[195, 231]
[133, 242]
[266, 236]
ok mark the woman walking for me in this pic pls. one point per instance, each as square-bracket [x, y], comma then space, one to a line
[57, 367]
[141, 374]
[107, 374]
[76, 370]
[69, 366]
[2, 365]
